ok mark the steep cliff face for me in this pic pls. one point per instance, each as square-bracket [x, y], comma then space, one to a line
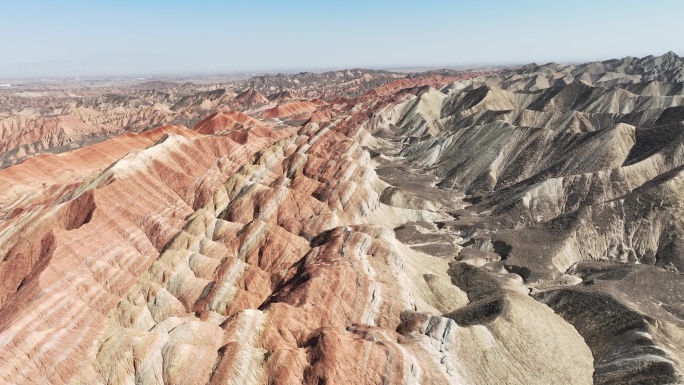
[430, 231]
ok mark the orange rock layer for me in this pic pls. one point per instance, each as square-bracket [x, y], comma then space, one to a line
[258, 256]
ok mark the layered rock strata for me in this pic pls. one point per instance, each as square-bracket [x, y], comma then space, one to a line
[517, 228]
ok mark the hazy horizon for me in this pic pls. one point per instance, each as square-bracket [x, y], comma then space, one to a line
[79, 38]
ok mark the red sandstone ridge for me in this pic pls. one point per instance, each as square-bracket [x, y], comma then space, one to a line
[248, 99]
[43, 120]
[248, 251]
[25, 184]
[323, 115]
[301, 108]
[22, 135]
[226, 121]
[390, 88]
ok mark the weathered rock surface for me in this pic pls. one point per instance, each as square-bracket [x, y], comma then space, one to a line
[517, 228]
[37, 120]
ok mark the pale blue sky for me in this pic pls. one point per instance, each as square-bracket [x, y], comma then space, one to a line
[89, 37]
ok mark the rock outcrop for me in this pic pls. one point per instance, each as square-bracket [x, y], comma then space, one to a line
[521, 227]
